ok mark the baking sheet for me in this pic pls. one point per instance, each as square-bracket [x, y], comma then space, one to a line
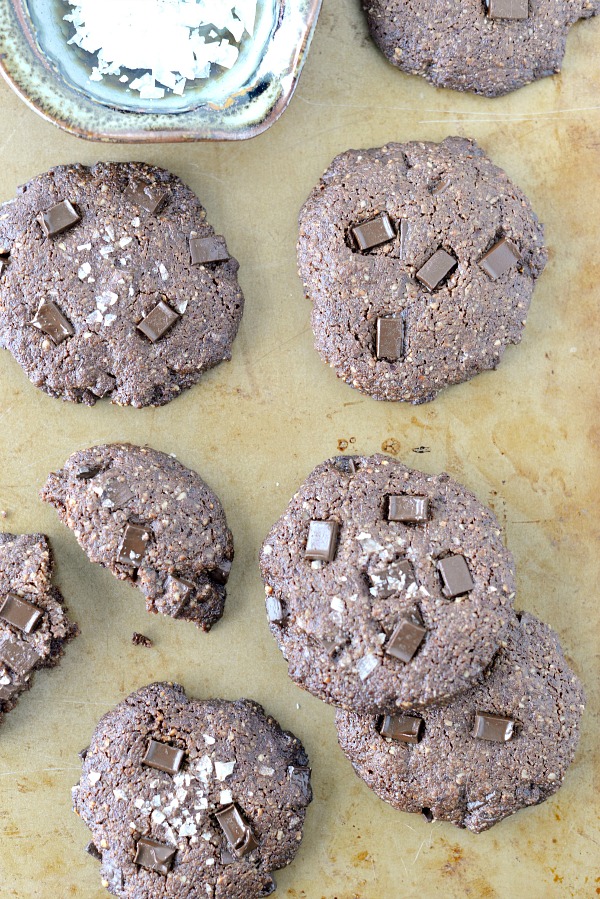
[525, 438]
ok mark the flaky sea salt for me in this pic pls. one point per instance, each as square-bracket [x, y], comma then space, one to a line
[164, 42]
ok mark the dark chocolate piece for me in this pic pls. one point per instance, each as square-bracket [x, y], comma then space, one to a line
[508, 9]
[20, 613]
[141, 640]
[436, 269]
[158, 321]
[495, 728]
[7, 691]
[408, 509]
[151, 197]
[405, 640]
[393, 578]
[427, 814]
[299, 775]
[58, 218]
[177, 592]
[390, 339]
[116, 494]
[87, 472]
[238, 833]
[163, 757]
[500, 258]
[52, 322]
[154, 856]
[322, 540]
[456, 576]
[18, 656]
[83, 752]
[345, 464]
[374, 232]
[133, 545]
[220, 574]
[274, 610]
[440, 186]
[403, 728]
[3, 265]
[93, 850]
[208, 249]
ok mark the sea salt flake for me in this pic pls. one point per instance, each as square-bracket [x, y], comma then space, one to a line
[119, 794]
[158, 817]
[84, 270]
[210, 741]
[188, 829]
[366, 665]
[223, 769]
[163, 272]
[94, 777]
[266, 771]
[94, 318]
[225, 797]
[204, 767]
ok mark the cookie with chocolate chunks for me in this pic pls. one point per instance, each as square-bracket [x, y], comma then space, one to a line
[103, 293]
[387, 588]
[152, 522]
[489, 47]
[420, 260]
[502, 746]
[34, 626]
[188, 798]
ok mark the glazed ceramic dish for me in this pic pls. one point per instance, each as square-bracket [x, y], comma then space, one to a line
[52, 78]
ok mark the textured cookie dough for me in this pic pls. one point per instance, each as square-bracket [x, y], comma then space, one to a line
[231, 753]
[465, 47]
[448, 197]
[452, 776]
[334, 620]
[180, 558]
[104, 274]
[34, 626]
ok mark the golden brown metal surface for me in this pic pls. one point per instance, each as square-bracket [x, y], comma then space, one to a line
[525, 438]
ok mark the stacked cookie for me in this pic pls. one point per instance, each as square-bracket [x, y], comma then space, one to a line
[390, 594]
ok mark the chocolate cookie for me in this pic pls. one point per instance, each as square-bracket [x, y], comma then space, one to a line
[152, 522]
[189, 798]
[386, 588]
[500, 747]
[490, 47]
[114, 285]
[34, 626]
[420, 260]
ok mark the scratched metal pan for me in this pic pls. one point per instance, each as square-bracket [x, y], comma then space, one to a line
[525, 438]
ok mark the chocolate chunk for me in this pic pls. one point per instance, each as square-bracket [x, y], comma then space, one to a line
[274, 610]
[58, 218]
[409, 509]
[116, 494]
[405, 640]
[18, 656]
[440, 186]
[7, 691]
[374, 232]
[133, 545]
[20, 613]
[227, 857]
[496, 728]
[177, 591]
[299, 776]
[87, 472]
[154, 856]
[403, 728]
[390, 339]
[208, 249]
[427, 814]
[220, 574]
[83, 752]
[436, 269]
[238, 833]
[346, 464]
[141, 640]
[158, 321]
[52, 322]
[393, 578]
[322, 540]
[456, 576]
[93, 850]
[3, 265]
[500, 258]
[163, 757]
[151, 197]
[508, 9]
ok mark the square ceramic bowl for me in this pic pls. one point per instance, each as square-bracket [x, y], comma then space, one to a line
[52, 77]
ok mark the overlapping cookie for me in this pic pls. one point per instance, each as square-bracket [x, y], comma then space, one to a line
[113, 284]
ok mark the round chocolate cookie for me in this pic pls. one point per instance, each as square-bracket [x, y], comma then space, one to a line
[386, 588]
[34, 626]
[500, 747]
[490, 47]
[114, 285]
[152, 522]
[420, 260]
[192, 798]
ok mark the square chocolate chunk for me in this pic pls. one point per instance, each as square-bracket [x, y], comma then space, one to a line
[436, 269]
[500, 258]
[154, 856]
[151, 197]
[133, 545]
[208, 249]
[158, 321]
[495, 728]
[408, 509]
[20, 613]
[373, 233]
[321, 544]
[52, 322]
[58, 218]
[163, 757]
[390, 339]
[18, 656]
[508, 9]
[403, 728]
[456, 576]
[405, 640]
[238, 833]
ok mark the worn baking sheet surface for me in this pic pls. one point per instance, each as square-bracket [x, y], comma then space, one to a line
[524, 438]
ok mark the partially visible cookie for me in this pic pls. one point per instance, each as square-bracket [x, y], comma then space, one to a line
[420, 260]
[502, 746]
[113, 284]
[152, 522]
[490, 47]
[192, 798]
[386, 588]
[34, 626]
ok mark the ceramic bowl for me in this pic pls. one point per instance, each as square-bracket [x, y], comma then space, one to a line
[53, 78]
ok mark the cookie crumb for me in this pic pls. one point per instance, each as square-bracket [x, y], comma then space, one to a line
[141, 640]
